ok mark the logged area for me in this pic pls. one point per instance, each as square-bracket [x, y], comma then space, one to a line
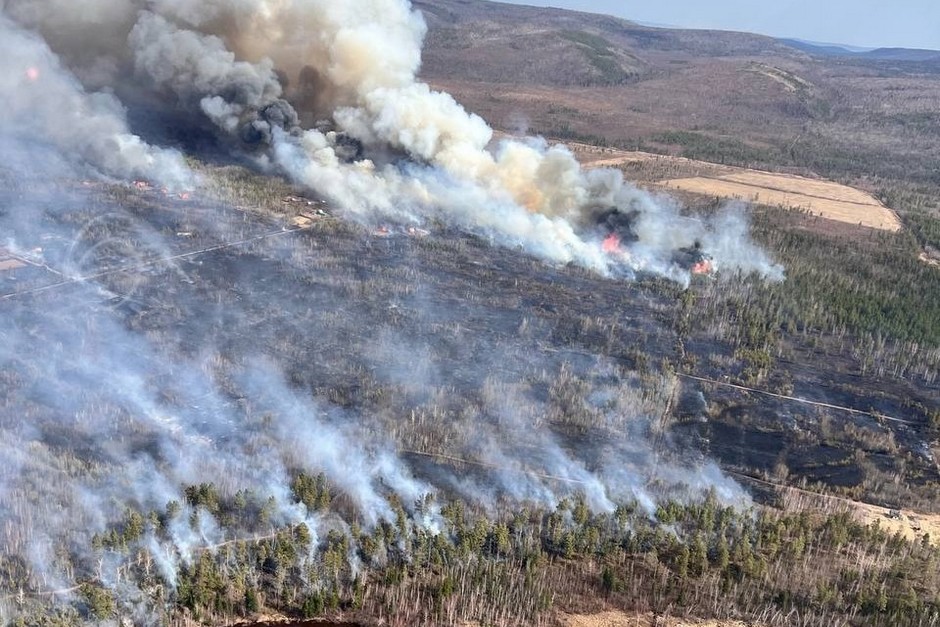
[816, 198]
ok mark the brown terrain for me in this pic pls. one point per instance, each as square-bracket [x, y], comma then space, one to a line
[827, 199]
[718, 96]
[625, 619]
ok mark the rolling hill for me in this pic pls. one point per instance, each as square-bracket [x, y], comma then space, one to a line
[728, 97]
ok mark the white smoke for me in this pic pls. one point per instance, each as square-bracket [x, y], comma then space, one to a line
[43, 102]
[255, 69]
[249, 66]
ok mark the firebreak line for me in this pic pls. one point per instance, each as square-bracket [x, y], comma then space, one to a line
[798, 399]
[154, 262]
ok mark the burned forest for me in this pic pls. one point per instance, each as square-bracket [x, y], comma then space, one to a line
[291, 334]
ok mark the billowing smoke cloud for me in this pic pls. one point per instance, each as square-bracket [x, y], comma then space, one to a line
[110, 409]
[43, 102]
[241, 98]
[257, 68]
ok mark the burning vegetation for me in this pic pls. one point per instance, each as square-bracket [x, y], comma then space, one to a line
[618, 231]
[694, 259]
[408, 396]
[388, 149]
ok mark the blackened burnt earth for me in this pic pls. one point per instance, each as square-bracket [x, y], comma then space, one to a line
[457, 296]
[338, 309]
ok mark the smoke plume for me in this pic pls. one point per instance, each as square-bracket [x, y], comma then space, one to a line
[256, 68]
[137, 361]
[44, 102]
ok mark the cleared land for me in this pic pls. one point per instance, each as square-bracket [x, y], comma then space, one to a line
[624, 619]
[910, 524]
[766, 189]
[826, 199]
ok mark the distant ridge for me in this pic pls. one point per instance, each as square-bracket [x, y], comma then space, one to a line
[883, 54]
[835, 48]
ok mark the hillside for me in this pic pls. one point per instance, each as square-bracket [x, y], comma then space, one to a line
[893, 54]
[720, 96]
[267, 326]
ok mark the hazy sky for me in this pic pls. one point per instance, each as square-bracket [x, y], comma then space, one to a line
[873, 23]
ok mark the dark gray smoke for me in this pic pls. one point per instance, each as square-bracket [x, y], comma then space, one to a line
[233, 63]
[142, 355]
[241, 98]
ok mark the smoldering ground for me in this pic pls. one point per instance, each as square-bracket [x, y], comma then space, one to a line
[142, 354]
[323, 351]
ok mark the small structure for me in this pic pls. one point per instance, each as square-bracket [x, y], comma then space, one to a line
[307, 217]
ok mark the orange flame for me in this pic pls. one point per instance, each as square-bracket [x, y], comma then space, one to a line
[611, 244]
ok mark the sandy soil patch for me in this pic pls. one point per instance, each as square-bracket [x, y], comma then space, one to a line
[802, 186]
[912, 525]
[625, 619]
[767, 192]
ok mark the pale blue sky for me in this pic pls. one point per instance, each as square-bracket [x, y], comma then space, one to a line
[872, 23]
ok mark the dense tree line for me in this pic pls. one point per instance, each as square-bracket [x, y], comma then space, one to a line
[780, 567]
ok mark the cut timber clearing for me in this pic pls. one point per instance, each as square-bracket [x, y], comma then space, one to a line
[910, 524]
[625, 619]
[826, 199]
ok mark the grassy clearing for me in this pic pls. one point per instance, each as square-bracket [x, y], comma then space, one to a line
[819, 198]
[816, 197]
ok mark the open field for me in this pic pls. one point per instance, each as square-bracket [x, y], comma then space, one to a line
[819, 197]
